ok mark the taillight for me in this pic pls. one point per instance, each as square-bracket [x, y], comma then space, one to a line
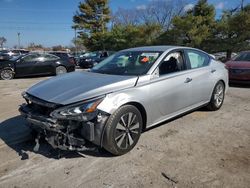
[72, 61]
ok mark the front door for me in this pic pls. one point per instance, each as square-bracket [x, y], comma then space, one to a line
[171, 90]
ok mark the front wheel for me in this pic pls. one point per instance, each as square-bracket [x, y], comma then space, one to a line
[123, 130]
[60, 70]
[217, 98]
[6, 74]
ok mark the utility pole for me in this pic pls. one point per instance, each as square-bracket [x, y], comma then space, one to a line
[18, 37]
[75, 40]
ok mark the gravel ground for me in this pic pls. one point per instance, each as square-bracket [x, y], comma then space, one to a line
[200, 149]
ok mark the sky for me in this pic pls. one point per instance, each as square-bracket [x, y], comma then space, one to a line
[48, 22]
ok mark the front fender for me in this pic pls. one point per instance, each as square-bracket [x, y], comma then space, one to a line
[113, 101]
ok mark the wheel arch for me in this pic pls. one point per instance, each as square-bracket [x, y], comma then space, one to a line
[142, 110]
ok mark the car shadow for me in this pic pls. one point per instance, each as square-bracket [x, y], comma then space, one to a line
[16, 134]
[34, 76]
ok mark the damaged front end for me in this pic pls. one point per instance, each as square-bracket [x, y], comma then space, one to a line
[66, 127]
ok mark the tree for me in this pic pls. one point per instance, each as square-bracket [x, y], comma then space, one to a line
[125, 17]
[91, 21]
[158, 12]
[161, 12]
[128, 36]
[193, 28]
[2, 41]
[233, 31]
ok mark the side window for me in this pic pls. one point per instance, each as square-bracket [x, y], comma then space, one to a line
[30, 58]
[49, 57]
[173, 62]
[197, 59]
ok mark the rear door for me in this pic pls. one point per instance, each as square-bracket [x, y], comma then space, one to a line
[201, 74]
[47, 63]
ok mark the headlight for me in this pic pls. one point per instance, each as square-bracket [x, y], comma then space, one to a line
[82, 111]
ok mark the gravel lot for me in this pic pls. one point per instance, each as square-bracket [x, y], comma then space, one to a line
[200, 149]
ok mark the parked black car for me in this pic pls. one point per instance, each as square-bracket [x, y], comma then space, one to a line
[34, 64]
[64, 55]
[90, 59]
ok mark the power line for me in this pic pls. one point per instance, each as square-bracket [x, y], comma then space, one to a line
[36, 10]
[35, 23]
[34, 28]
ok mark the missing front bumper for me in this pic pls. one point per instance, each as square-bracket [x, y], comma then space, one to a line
[66, 135]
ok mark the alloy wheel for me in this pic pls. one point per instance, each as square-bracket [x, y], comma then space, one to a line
[219, 95]
[127, 130]
[60, 70]
[6, 74]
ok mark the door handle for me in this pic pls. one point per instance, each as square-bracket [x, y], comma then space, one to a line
[188, 80]
[213, 70]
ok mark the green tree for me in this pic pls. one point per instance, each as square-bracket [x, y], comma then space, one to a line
[129, 36]
[2, 41]
[91, 22]
[193, 28]
[233, 31]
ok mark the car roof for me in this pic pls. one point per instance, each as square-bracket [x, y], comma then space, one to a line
[151, 48]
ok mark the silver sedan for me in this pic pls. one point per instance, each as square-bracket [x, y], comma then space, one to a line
[130, 91]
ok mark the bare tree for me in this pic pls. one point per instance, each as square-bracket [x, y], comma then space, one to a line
[125, 17]
[2, 41]
[158, 12]
[162, 12]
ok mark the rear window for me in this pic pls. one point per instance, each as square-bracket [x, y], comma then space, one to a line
[197, 59]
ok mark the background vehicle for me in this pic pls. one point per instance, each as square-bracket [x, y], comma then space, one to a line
[34, 64]
[8, 54]
[222, 56]
[239, 68]
[89, 59]
[65, 56]
[129, 91]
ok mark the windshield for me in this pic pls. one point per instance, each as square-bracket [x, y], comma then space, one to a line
[127, 63]
[245, 56]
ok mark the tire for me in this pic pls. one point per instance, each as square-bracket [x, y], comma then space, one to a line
[60, 70]
[6, 74]
[123, 130]
[217, 97]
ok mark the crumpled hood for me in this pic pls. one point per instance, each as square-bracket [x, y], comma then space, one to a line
[74, 87]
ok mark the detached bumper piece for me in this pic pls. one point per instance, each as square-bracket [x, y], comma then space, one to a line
[63, 134]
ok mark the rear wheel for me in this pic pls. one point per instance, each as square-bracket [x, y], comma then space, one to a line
[60, 70]
[123, 130]
[217, 98]
[6, 74]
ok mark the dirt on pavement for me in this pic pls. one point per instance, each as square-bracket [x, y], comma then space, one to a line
[200, 149]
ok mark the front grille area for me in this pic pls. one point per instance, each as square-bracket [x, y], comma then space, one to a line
[40, 106]
[43, 110]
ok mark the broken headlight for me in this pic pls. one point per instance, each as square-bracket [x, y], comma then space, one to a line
[81, 112]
